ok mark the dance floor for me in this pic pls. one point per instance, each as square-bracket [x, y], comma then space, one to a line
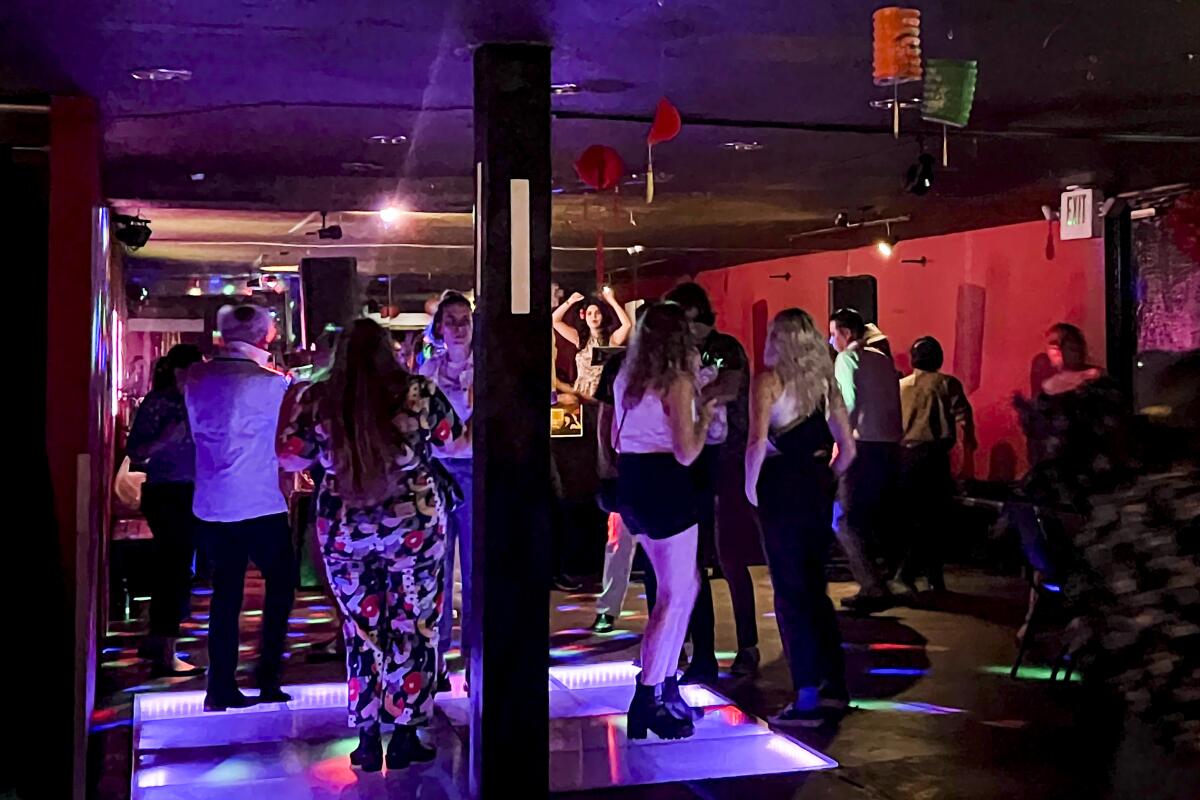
[299, 750]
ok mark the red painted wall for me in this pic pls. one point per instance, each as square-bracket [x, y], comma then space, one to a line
[987, 295]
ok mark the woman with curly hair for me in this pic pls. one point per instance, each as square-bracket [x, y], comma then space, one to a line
[659, 430]
[381, 516]
[796, 417]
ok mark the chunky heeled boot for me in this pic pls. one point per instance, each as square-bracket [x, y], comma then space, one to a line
[648, 713]
[407, 748]
[369, 753]
[675, 703]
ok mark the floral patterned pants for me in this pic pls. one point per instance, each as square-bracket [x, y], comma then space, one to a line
[391, 605]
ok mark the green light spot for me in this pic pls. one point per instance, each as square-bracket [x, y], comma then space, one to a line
[228, 289]
[1029, 673]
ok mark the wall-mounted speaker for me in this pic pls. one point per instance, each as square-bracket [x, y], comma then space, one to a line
[855, 291]
[330, 290]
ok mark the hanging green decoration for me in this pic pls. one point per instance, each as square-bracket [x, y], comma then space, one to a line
[949, 95]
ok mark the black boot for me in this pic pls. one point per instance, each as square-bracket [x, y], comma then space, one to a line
[369, 753]
[647, 713]
[406, 748]
[675, 703]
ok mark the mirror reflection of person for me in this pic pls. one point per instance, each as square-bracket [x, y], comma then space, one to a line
[591, 329]
[161, 442]
[452, 369]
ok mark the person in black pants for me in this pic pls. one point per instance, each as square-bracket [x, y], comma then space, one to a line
[726, 521]
[796, 407]
[161, 444]
[233, 404]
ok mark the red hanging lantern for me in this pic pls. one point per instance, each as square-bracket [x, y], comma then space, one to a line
[601, 168]
[666, 126]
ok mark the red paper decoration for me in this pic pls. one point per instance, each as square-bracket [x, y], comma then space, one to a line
[600, 167]
[666, 126]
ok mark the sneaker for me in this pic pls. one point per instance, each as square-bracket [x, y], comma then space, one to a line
[746, 662]
[565, 583]
[868, 603]
[792, 717]
[603, 623]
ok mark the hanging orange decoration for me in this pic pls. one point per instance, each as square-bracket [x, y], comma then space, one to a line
[897, 52]
[666, 126]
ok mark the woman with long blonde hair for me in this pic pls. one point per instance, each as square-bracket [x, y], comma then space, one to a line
[381, 515]
[797, 416]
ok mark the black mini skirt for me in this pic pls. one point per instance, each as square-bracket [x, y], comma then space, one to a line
[656, 495]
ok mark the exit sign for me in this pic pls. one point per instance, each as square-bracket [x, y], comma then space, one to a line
[1079, 215]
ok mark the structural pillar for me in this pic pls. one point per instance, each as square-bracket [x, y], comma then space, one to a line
[510, 635]
[1120, 316]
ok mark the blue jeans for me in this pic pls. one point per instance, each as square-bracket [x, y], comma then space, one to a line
[458, 530]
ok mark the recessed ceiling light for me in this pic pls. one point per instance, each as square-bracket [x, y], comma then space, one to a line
[565, 88]
[384, 139]
[742, 147]
[161, 74]
[390, 214]
[282, 268]
[197, 176]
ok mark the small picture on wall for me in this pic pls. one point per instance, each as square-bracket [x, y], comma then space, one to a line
[566, 418]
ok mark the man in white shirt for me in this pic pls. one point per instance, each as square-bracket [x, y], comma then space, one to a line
[233, 407]
[867, 380]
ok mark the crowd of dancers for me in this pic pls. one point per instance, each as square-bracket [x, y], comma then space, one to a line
[697, 462]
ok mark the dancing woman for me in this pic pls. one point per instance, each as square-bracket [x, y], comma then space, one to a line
[381, 520]
[797, 411]
[659, 431]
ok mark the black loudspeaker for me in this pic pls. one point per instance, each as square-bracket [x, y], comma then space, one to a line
[331, 295]
[855, 291]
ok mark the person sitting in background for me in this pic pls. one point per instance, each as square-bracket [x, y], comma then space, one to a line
[591, 330]
[452, 369]
[933, 406]
[866, 378]
[798, 411]
[661, 426]
[381, 509]
[233, 404]
[161, 442]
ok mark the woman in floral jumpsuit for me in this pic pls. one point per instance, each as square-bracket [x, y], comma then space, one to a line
[381, 511]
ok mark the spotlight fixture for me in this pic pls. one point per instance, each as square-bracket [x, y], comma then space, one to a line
[842, 220]
[742, 147]
[886, 244]
[918, 179]
[390, 214]
[161, 74]
[327, 232]
[1050, 214]
[635, 249]
[133, 232]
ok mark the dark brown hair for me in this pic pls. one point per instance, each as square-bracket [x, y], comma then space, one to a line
[661, 351]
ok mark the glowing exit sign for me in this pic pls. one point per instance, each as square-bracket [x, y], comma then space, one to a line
[1079, 214]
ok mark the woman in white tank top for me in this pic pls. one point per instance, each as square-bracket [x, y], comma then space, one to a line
[659, 430]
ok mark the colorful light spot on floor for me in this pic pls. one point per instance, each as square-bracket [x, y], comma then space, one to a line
[108, 651]
[1029, 673]
[568, 607]
[320, 608]
[187, 639]
[894, 646]
[897, 671]
[296, 634]
[254, 612]
[121, 663]
[200, 615]
[868, 704]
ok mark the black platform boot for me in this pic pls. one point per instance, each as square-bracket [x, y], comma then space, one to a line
[406, 748]
[648, 713]
[675, 703]
[369, 753]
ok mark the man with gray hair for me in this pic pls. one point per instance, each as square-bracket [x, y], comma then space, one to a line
[233, 406]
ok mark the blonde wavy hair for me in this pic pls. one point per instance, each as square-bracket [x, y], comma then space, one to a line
[799, 354]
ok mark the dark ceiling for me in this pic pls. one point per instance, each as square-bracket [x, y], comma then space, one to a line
[286, 93]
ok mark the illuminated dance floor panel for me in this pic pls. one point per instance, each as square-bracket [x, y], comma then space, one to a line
[300, 750]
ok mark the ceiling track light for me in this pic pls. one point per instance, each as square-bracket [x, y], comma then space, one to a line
[161, 74]
[133, 232]
[842, 222]
[886, 244]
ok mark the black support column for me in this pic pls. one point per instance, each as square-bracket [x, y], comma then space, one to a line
[509, 700]
[1120, 320]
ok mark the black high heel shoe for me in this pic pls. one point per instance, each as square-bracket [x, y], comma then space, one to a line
[406, 748]
[675, 703]
[368, 756]
[648, 713]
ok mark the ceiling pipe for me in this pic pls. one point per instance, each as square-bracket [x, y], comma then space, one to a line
[876, 130]
[866, 223]
[23, 108]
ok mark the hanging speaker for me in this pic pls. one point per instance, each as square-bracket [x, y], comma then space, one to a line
[329, 287]
[854, 291]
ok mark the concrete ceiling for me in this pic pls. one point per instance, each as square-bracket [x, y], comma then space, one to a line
[285, 95]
